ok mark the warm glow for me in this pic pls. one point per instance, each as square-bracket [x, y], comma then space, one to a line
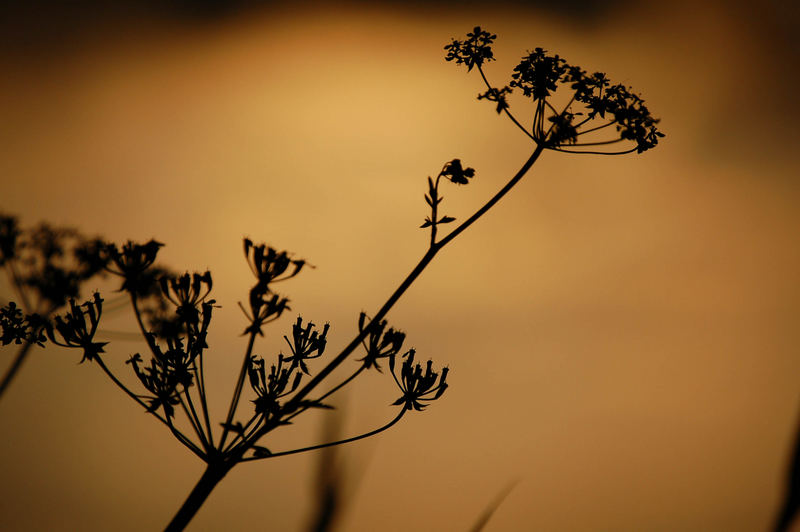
[621, 332]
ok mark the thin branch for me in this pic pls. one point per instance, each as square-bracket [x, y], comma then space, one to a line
[258, 430]
[407, 282]
[237, 392]
[434, 210]
[587, 119]
[497, 197]
[594, 128]
[248, 439]
[240, 437]
[595, 152]
[330, 392]
[548, 104]
[597, 143]
[194, 420]
[125, 389]
[538, 120]
[505, 109]
[552, 125]
[186, 441]
[340, 385]
[201, 390]
[323, 445]
[139, 321]
[166, 421]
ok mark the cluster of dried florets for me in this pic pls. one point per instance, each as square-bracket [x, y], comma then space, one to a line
[173, 376]
[573, 110]
[284, 377]
[75, 332]
[132, 263]
[274, 387]
[17, 327]
[48, 265]
[269, 266]
[281, 381]
[418, 386]
[174, 368]
[306, 344]
[591, 106]
[379, 342]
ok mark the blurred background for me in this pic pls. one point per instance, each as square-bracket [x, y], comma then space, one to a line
[621, 331]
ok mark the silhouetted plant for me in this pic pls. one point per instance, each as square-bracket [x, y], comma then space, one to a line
[173, 374]
[46, 267]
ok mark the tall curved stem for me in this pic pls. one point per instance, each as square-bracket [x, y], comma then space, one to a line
[407, 282]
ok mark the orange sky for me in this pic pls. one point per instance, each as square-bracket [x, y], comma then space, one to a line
[621, 331]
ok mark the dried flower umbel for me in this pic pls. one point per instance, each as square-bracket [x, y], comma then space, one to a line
[173, 377]
[46, 267]
[19, 328]
[593, 104]
[75, 332]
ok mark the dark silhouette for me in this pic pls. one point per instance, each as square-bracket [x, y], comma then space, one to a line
[790, 506]
[46, 267]
[574, 112]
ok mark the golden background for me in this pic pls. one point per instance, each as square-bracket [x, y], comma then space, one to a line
[622, 332]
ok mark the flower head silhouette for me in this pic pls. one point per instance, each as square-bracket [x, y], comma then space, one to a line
[75, 331]
[418, 386]
[593, 103]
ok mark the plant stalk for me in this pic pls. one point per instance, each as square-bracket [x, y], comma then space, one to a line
[208, 481]
[216, 471]
[15, 365]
